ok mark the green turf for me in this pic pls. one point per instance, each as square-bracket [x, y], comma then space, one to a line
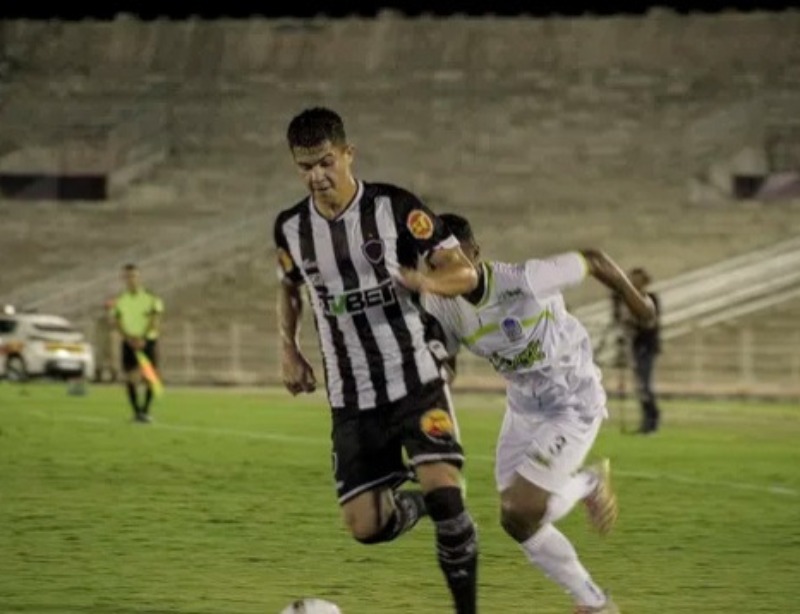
[225, 505]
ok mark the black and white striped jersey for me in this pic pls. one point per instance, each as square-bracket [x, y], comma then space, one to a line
[372, 330]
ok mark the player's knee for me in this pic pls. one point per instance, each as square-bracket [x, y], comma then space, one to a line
[520, 519]
[362, 520]
[370, 535]
[361, 526]
[444, 503]
[436, 476]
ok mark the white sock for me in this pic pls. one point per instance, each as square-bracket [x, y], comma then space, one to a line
[552, 552]
[559, 504]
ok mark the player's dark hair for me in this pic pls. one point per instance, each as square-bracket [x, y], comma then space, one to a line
[130, 267]
[314, 126]
[458, 226]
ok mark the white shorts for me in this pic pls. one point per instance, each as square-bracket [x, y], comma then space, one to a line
[545, 450]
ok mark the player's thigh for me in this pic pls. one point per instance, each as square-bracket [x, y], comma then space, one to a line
[430, 437]
[151, 351]
[524, 498]
[543, 450]
[130, 366]
[366, 456]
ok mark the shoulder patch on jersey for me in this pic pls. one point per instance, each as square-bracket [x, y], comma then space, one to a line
[419, 224]
[285, 260]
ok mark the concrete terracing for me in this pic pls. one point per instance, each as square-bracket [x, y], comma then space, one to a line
[552, 134]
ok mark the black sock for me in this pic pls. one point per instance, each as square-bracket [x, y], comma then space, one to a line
[409, 507]
[148, 398]
[132, 397]
[456, 545]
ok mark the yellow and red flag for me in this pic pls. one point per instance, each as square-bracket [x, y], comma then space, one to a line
[149, 373]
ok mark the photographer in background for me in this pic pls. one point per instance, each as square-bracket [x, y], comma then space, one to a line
[645, 344]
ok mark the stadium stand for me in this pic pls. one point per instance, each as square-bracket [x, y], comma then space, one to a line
[551, 134]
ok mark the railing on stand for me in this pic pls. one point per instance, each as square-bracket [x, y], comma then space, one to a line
[742, 361]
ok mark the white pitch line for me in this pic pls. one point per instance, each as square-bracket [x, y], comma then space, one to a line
[646, 475]
[284, 438]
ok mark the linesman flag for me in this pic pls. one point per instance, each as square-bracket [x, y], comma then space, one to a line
[149, 373]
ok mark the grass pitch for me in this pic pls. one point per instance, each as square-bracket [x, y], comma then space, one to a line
[226, 505]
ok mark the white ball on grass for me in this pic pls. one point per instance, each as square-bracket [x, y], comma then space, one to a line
[311, 606]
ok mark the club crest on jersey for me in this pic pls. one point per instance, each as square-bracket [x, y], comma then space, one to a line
[420, 224]
[512, 329]
[373, 250]
[437, 425]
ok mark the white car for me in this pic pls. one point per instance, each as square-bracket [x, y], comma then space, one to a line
[38, 345]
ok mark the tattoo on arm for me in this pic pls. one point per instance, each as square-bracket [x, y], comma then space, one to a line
[290, 310]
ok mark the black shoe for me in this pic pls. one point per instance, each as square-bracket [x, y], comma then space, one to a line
[419, 501]
[413, 504]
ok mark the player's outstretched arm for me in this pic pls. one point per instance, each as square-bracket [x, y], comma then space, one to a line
[296, 371]
[450, 274]
[606, 271]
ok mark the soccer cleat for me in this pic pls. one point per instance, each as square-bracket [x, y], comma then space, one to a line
[413, 504]
[609, 607]
[601, 503]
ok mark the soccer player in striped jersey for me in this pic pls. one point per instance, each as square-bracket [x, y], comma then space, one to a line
[555, 403]
[356, 247]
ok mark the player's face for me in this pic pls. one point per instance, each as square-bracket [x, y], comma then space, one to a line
[132, 280]
[326, 171]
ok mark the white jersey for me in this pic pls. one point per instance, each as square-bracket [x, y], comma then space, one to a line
[521, 325]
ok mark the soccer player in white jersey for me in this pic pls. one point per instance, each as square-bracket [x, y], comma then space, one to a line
[516, 319]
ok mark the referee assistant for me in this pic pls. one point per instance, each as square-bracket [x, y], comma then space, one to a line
[138, 317]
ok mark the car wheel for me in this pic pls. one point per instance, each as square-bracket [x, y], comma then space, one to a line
[15, 369]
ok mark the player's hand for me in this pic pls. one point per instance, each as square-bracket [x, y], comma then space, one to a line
[412, 279]
[296, 372]
[136, 343]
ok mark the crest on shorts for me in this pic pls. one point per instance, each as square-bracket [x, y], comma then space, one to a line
[512, 328]
[437, 425]
[420, 224]
[373, 250]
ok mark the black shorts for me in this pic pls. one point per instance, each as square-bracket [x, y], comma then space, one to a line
[368, 445]
[129, 362]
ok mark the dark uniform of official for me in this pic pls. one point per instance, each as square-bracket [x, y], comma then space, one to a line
[645, 346]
